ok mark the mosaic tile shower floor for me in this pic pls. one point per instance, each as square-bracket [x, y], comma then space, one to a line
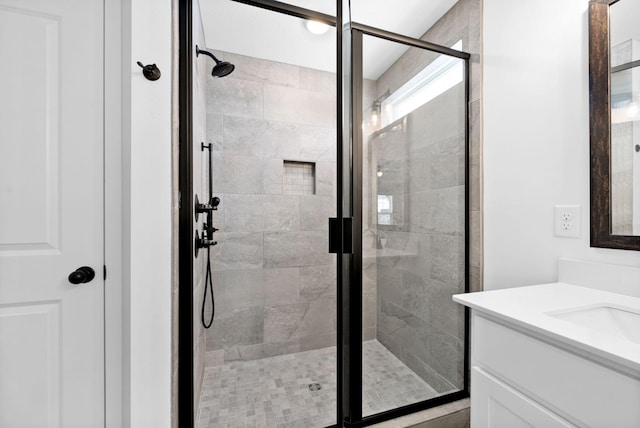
[274, 392]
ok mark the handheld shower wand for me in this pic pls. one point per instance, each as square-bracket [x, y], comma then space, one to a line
[209, 208]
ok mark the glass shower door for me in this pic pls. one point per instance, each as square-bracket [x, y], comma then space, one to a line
[406, 181]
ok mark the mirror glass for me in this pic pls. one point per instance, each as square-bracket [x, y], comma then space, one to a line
[625, 117]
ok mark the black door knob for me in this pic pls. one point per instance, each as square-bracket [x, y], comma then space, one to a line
[82, 275]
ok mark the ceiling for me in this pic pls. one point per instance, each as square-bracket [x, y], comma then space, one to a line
[247, 30]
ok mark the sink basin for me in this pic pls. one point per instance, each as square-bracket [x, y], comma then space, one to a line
[607, 319]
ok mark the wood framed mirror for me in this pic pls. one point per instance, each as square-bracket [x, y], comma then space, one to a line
[614, 88]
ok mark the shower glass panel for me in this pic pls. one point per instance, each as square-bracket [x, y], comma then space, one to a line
[270, 355]
[413, 224]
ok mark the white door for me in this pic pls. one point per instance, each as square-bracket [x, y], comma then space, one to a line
[51, 213]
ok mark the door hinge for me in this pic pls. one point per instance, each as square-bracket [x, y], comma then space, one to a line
[105, 272]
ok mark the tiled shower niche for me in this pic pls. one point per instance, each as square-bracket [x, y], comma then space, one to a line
[299, 178]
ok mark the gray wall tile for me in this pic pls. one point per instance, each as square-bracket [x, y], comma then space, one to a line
[215, 130]
[214, 358]
[417, 296]
[243, 136]
[447, 261]
[282, 322]
[369, 333]
[475, 198]
[242, 174]
[238, 251]
[447, 163]
[301, 320]
[258, 70]
[315, 212]
[290, 249]
[281, 286]
[217, 161]
[390, 285]
[299, 106]
[248, 156]
[239, 327]
[318, 143]
[369, 309]
[318, 282]
[316, 80]
[234, 97]
[437, 211]
[325, 178]
[432, 377]
[475, 255]
[309, 343]
[272, 171]
[260, 350]
[254, 213]
[242, 289]
[446, 356]
[282, 140]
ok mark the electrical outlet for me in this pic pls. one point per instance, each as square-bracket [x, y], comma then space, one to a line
[567, 221]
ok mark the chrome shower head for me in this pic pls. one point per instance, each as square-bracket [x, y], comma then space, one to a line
[222, 68]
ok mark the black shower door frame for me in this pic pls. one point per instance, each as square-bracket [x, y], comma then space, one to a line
[345, 229]
[350, 197]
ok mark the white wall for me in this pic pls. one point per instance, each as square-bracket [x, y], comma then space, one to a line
[147, 222]
[114, 114]
[536, 139]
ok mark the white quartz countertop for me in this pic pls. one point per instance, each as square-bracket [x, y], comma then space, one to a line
[530, 308]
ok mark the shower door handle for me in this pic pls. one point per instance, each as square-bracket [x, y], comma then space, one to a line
[341, 235]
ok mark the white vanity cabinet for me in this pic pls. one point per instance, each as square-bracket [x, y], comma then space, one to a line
[496, 404]
[529, 369]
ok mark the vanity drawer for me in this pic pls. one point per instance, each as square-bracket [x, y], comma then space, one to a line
[497, 405]
[582, 391]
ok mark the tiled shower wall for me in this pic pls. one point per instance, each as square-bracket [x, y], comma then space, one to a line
[274, 281]
[423, 164]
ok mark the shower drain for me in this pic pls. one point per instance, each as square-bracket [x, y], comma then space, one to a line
[315, 387]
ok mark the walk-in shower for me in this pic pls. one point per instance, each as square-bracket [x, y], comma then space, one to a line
[341, 161]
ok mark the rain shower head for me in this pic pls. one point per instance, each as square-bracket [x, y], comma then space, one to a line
[222, 68]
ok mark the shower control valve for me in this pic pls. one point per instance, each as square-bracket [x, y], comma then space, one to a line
[208, 242]
[210, 230]
[203, 242]
[206, 208]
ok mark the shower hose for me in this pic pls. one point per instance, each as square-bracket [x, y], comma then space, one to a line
[208, 285]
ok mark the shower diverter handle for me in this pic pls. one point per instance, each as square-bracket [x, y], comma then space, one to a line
[206, 208]
[211, 206]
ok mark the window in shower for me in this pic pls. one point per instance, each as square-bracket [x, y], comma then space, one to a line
[385, 209]
[436, 78]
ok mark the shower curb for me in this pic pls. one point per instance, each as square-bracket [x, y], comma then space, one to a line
[451, 415]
